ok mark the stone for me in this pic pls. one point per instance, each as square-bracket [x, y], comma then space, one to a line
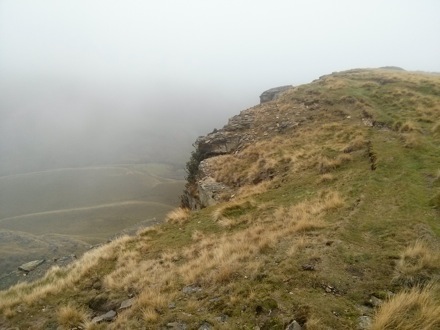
[126, 303]
[102, 303]
[222, 318]
[294, 326]
[107, 317]
[364, 322]
[30, 266]
[308, 267]
[374, 301]
[191, 289]
[273, 93]
[205, 326]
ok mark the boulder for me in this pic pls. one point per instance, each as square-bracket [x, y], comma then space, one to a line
[126, 303]
[364, 322]
[30, 266]
[107, 317]
[294, 326]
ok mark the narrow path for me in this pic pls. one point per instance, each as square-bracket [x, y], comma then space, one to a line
[76, 209]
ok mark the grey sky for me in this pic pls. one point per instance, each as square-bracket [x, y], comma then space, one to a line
[197, 42]
[145, 64]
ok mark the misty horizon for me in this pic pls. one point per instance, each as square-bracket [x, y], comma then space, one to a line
[93, 82]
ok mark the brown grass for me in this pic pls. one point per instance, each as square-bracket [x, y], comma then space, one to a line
[408, 126]
[150, 315]
[409, 310]
[179, 216]
[71, 317]
[411, 140]
[327, 177]
[418, 264]
[326, 164]
[358, 143]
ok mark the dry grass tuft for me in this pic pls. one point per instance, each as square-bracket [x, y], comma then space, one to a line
[178, 216]
[254, 189]
[231, 210]
[418, 264]
[150, 315]
[70, 317]
[326, 165]
[314, 323]
[197, 235]
[408, 126]
[409, 310]
[9, 312]
[358, 143]
[327, 177]
[411, 140]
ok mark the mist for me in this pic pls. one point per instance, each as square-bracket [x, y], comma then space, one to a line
[49, 123]
[98, 82]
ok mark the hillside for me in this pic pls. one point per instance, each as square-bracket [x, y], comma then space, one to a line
[317, 209]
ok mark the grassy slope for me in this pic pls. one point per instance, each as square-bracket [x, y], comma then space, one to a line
[363, 232]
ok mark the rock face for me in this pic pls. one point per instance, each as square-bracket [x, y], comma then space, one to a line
[251, 125]
[210, 191]
[272, 94]
[207, 191]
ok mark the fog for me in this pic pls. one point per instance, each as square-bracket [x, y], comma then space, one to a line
[98, 82]
[101, 100]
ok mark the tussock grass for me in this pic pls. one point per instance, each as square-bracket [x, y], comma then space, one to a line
[418, 264]
[326, 164]
[179, 215]
[326, 177]
[413, 309]
[358, 143]
[408, 126]
[70, 317]
[228, 215]
[411, 140]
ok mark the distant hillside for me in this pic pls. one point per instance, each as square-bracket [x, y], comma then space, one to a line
[317, 209]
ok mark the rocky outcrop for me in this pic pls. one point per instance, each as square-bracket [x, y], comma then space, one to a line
[227, 139]
[251, 125]
[273, 93]
[206, 191]
[210, 191]
[30, 266]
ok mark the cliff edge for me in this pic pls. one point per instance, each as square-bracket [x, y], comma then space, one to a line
[316, 209]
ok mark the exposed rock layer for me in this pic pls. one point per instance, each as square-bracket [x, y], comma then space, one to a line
[241, 130]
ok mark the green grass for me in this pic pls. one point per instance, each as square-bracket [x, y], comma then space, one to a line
[362, 230]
